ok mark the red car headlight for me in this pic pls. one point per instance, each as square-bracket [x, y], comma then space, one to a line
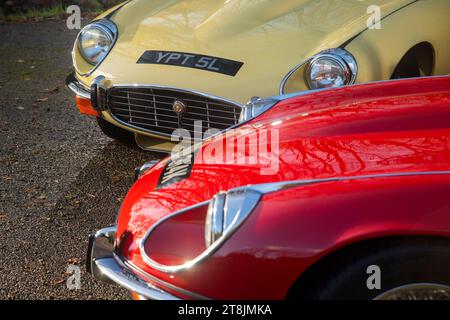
[255, 107]
[176, 242]
[227, 211]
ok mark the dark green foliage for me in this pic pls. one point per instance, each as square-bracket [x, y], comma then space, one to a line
[16, 10]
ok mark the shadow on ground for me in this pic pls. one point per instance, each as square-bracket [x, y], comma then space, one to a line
[61, 178]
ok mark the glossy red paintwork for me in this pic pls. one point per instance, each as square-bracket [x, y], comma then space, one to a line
[179, 239]
[377, 128]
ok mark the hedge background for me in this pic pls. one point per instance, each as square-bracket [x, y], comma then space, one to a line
[22, 6]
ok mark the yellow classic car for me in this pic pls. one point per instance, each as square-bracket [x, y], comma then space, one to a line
[152, 71]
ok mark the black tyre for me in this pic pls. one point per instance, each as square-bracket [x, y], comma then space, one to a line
[115, 132]
[408, 270]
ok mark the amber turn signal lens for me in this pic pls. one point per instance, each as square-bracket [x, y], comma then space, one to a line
[136, 296]
[85, 107]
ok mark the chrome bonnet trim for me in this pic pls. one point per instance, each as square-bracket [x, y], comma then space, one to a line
[277, 186]
[262, 189]
[286, 96]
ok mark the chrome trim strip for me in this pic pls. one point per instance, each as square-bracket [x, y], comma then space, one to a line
[98, 89]
[262, 189]
[277, 186]
[121, 276]
[290, 73]
[104, 24]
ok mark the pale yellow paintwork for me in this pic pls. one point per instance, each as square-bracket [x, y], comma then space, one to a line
[271, 37]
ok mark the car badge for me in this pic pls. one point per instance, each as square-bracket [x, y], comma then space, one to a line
[179, 107]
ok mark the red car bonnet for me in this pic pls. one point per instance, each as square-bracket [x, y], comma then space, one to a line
[385, 127]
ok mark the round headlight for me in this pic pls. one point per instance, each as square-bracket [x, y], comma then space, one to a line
[330, 69]
[95, 41]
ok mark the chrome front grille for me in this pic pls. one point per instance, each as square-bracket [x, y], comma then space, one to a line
[151, 109]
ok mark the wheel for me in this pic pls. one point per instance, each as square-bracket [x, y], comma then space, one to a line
[418, 270]
[115, 132]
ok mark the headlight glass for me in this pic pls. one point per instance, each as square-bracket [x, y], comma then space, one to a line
[214, 219]
[255, 107]
[227, 211]
[96, 40]
[330, 69]
[326, 73]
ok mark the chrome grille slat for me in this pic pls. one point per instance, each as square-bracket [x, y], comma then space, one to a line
[212, 116]
[129, 109]
[142, 106]
[191, 106]
[148, 116]
[142, 118]
[190, 112]
[154, 108]
[144, 112]
[213, 122]
[185, 99]
[150, 109]
[139, 99]
[146, 124]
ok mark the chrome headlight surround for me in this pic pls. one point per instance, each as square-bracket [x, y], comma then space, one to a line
[255, 107]
[108, 30]
[226, 212]
[344, 59]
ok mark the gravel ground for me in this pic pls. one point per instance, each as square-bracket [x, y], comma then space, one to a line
[60, 177]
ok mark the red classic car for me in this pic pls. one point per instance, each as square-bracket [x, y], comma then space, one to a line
[334, 194]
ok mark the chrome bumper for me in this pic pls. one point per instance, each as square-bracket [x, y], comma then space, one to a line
[104, 265]
[77, 88]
